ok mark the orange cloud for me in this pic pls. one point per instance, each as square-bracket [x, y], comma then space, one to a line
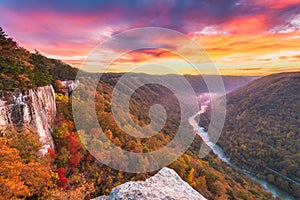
[250, 45]
[247, 25]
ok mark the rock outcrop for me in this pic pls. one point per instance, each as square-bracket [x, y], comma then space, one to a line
[32, 110]
[165, 185]
[69, 86]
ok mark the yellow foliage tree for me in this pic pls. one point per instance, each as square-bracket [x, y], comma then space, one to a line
[12, 185]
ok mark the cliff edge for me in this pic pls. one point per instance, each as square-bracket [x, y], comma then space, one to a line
[32, 110]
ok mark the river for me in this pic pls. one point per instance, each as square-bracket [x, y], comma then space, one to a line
[219, 152]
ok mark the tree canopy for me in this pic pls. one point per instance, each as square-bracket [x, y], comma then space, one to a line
[261, 131]
[24, 70]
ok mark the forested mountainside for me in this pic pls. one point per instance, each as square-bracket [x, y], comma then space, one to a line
[69, 171]
[24, 70]
[261, 132]
[210, 177]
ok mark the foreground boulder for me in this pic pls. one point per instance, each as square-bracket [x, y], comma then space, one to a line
[166, 185]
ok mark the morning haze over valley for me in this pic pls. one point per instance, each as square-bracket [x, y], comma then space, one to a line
[142, 100]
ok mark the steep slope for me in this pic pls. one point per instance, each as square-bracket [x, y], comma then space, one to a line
[166, 184]
[262, 128]
[33, 110]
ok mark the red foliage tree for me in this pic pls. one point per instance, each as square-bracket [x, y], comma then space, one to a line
[73, 143]
[74, 160]
[52, 153]
[63, 181]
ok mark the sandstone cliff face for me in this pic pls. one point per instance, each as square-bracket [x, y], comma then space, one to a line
[166, 185]
[33, 110]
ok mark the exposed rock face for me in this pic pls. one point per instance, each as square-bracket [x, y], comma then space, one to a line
[165, 185]
[69, 85]
[33, 110]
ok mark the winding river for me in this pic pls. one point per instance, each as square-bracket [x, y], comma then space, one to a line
[219, 152]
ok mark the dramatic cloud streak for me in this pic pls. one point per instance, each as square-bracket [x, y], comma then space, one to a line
[238, 34]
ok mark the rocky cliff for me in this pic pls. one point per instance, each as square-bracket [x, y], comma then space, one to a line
[166, 185]
[69, 86]
[32, 110]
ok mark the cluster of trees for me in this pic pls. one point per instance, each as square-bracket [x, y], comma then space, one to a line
[22, 173]
[24, 70]
[26, 175]
[261, 132]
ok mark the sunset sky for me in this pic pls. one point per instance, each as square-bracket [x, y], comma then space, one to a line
[242, 37]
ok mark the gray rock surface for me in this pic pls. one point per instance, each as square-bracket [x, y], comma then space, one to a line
[69, 85]
[165, 185]
[32, 110]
